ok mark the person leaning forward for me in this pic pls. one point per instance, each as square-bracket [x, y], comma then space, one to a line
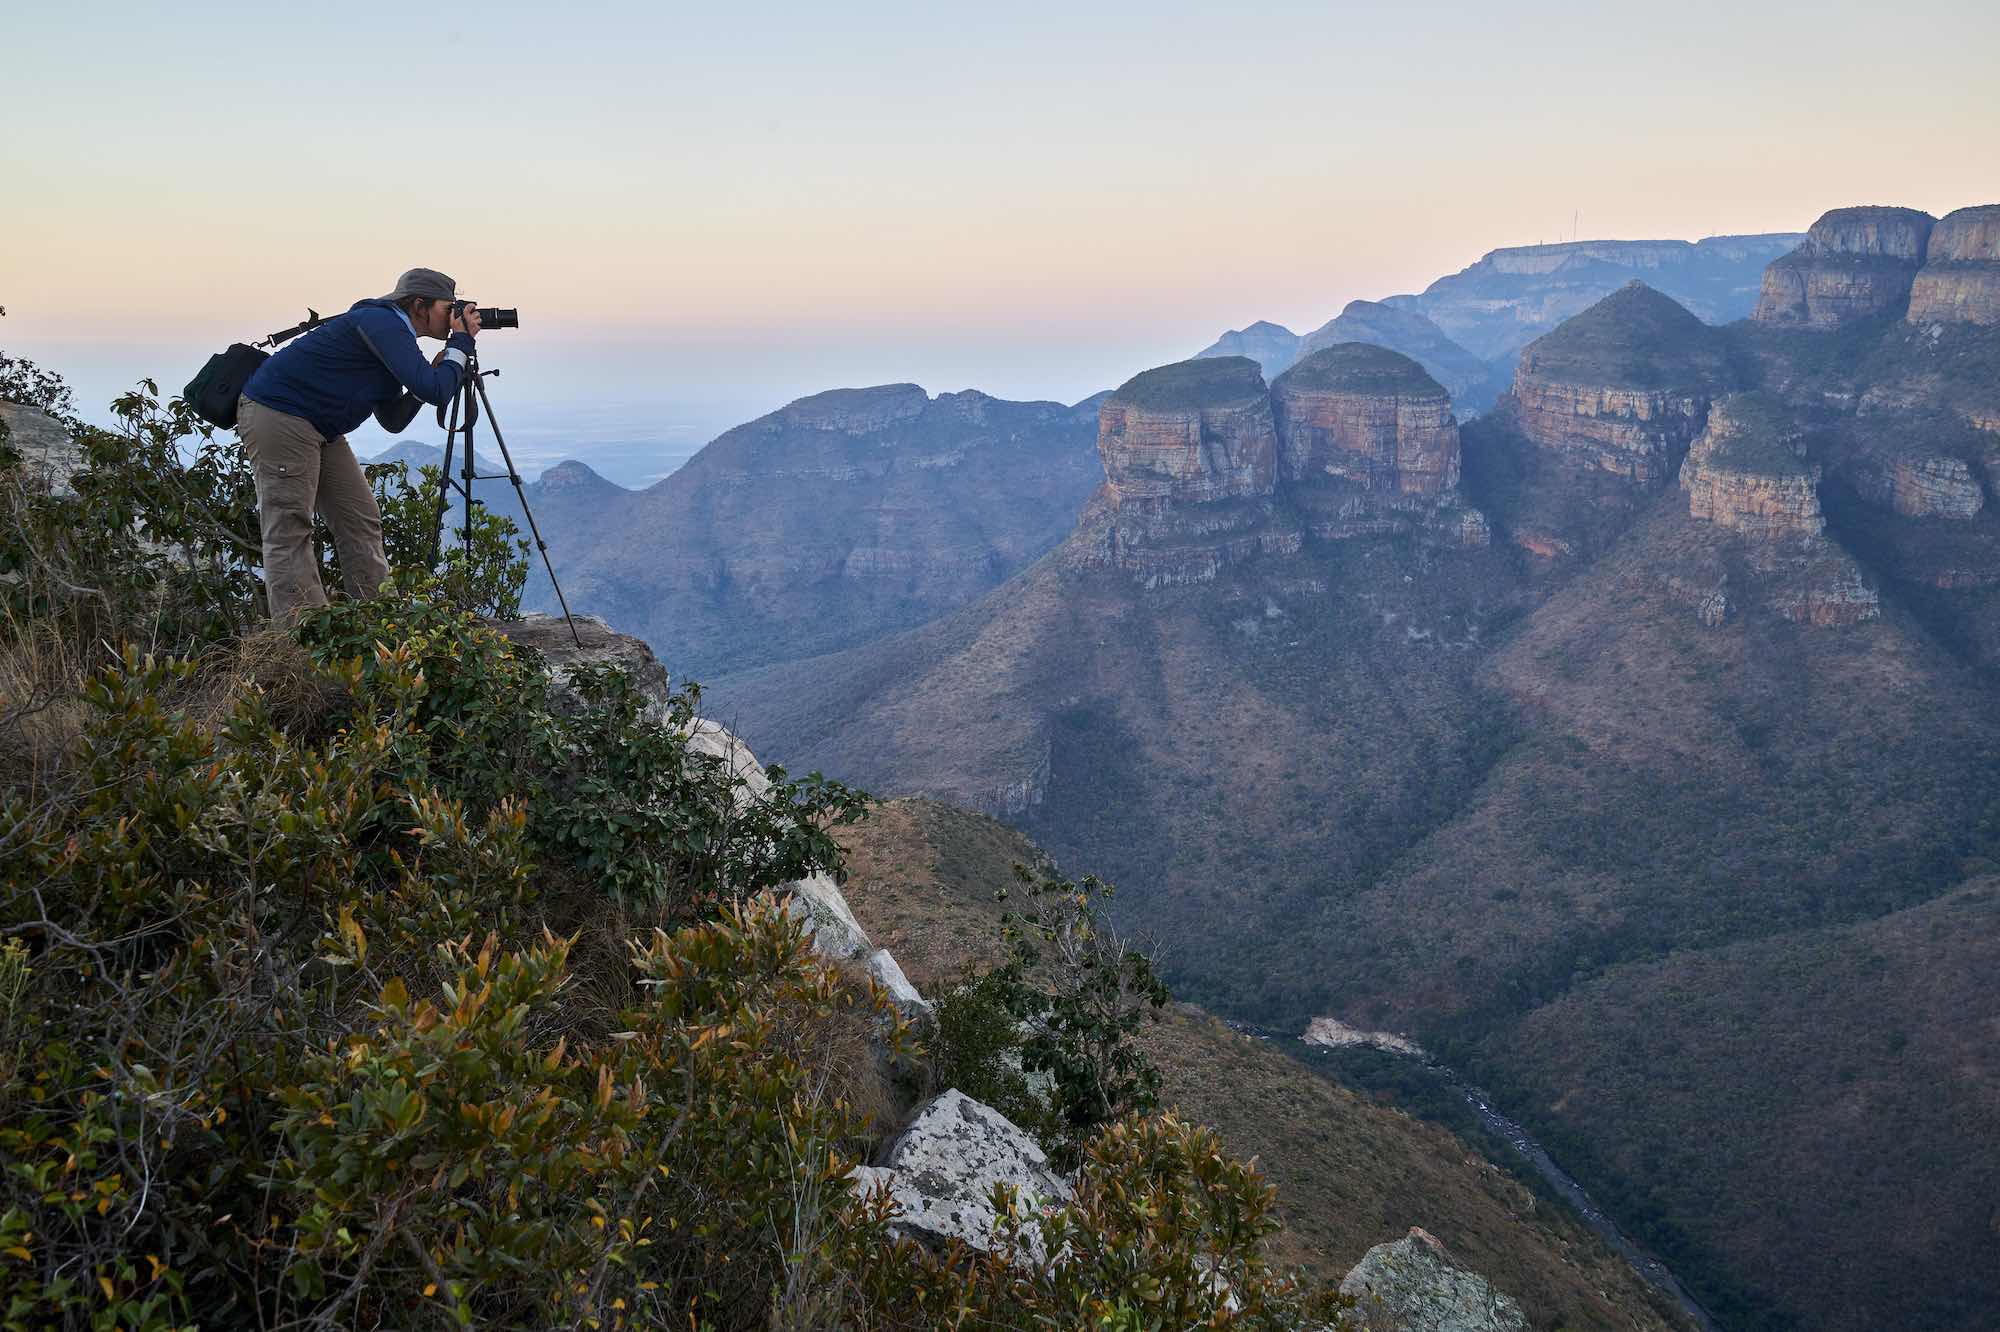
[295, 413]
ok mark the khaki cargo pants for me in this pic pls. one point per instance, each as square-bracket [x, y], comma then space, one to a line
[299, 470]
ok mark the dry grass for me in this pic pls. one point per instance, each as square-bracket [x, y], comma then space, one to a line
[42, 712]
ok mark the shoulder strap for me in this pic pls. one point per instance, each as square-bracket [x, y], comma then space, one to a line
[313, 321]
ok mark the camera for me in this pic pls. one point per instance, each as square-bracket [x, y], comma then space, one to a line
[489, 317]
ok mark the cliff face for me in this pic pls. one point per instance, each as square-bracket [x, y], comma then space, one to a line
[1960, 279]
[1190, 456]
[1746, 473]
[1855, 262]
[1394, 436]
[1624, 387]
[1189, 433]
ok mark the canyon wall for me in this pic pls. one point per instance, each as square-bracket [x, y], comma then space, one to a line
[1855, 262]
[1960, 279]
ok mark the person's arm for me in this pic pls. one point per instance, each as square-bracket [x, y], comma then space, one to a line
[397, 346]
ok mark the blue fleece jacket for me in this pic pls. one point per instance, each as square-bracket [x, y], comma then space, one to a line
[355, 364]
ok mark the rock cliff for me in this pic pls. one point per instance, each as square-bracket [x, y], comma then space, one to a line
[1960, 279]
[1747, 472]
[1623, 387]
[1367, 443]
[1190, 458]
[1748, 475]
[47, 452]
[1855, 262]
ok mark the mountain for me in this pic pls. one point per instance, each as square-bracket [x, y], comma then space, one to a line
[840, 518]
[1272, 346]
[1468, 379]
[1565, 742]
[1511, 296]
[1466, 329]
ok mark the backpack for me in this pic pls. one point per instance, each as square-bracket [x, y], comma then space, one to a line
[213, 392]
[218, 384]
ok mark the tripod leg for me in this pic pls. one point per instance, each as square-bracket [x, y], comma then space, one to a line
[444, 487]
[493, 424]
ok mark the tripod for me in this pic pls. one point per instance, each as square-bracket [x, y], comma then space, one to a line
[465, 407]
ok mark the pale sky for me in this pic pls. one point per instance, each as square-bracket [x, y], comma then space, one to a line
[717, 208]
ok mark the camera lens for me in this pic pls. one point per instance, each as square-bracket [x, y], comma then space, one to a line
[491, 318]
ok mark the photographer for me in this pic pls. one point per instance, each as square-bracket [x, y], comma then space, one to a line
[295, 413]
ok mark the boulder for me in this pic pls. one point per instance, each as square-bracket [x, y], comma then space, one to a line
[942, 1168]
[1412, 1285]
[1855, 262]
[49, 456]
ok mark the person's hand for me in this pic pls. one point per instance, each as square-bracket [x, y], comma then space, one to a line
[466, 321]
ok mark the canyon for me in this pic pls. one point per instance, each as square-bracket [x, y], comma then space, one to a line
[1720, 671]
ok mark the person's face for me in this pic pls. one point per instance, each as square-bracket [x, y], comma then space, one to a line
[432, 320]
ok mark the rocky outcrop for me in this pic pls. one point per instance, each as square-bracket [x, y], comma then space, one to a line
[942, 1168]
[1332, 1034]
[1368, 444]
[1464, 376]
[1191, 432]
[49, 456]
[1368, 416]
[1190, 457]
[1413, 1285]
[1624, 387]
[1747, 473]
[1921, 485]
[1855, 262]
[1960, 279]
[1272, 346]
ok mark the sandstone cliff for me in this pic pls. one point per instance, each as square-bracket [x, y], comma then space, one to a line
[1623, 387]
[1855, 262]
[1960, 279]
[1747, 472]
[1367, 443]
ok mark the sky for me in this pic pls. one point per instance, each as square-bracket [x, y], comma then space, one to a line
[703, 212]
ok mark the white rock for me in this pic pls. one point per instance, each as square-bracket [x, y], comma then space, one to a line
[1413, 1285]
[942, 1168]
[888, 974]
[1334, 1034]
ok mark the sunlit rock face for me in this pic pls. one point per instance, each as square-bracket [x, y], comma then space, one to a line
[1855, 262]
[1367, 415]
[1960, 279]
[1190, 458]
[1190, 432]
[1623, 387]
[1746, 472]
